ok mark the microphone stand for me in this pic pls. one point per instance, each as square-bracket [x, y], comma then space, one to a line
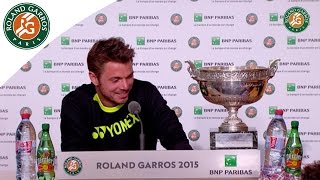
[141, 136]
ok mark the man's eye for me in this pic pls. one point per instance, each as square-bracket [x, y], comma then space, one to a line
[114, 80]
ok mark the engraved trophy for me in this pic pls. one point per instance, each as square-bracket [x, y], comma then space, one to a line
[233, 87]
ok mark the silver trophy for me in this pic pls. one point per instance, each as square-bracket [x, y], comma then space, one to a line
[232, 87]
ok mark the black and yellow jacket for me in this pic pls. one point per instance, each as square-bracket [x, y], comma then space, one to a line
[86, 125]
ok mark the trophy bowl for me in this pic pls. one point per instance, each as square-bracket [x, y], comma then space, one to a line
[232, 87]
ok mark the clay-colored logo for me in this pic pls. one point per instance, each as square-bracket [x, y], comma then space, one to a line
[26, 26]
[296, 19]
[72, 166]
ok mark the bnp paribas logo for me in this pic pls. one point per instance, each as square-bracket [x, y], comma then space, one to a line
[291, 40]
[296, 19]
[26, 26]
[197, 17]
[123, 17]
[197, 110]
[65, 40]
[291, 87]
[273, 17]
[47, 64]
[65, 87]
[197, 63]
[47, 110]
[215, 41]
[230, 160]
[272, 109]
[141, 41]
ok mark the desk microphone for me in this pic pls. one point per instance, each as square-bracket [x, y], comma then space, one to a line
[135, 108]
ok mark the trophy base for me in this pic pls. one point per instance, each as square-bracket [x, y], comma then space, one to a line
[227, 127]
[234, 140]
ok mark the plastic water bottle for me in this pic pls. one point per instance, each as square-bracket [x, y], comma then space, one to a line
[294, 151]
[275, 144]
[26, 149]
[45, 155]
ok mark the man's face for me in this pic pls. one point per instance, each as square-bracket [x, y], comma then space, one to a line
[114, 84]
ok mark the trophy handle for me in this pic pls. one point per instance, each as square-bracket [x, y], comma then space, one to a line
[273, 67]
[192, 69]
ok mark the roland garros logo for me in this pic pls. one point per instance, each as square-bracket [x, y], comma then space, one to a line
[72, 166]
[296, 19]
[26, 26]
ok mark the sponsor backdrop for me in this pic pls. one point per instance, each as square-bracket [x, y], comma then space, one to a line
[166, 33]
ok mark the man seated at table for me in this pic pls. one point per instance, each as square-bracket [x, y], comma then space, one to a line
[96, 117]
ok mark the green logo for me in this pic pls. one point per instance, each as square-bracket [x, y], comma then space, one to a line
[291, 87]
[47, 111]
[72, 166]
[47, 64]
[296, 19]
[65, 40]
[197, 110]
[197, 63]
[215, 41]
[272, 109]
[291, 40]
[26, 26]
[230, 160]
[141, 41]
[123, 17]
[197, 17]
[273, 16]
[65, 87]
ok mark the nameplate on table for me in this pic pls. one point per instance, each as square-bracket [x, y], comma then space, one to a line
[194, 164]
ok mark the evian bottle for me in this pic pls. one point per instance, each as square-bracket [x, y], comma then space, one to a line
[275, 144]
[26, 149]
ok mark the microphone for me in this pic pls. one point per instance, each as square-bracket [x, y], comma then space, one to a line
[135, 108]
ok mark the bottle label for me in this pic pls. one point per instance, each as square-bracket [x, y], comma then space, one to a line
[294, 158]
[24, 146]
[277, 143]
[45, 160]
[45, 164]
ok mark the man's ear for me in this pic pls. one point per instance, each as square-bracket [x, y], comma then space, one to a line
[93, 78]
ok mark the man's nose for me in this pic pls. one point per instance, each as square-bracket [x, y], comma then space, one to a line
[124, 84]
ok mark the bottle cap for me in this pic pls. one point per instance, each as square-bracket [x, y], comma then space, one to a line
[25, 115]
[279, 112]
[45, 126]
[295, 124]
